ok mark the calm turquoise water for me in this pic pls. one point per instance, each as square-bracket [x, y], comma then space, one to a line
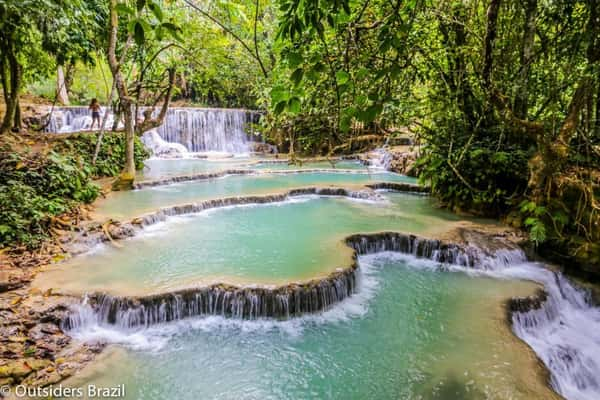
[268, 244]
[307, 165]
[156, 168]
[411, 333]
[122, 205]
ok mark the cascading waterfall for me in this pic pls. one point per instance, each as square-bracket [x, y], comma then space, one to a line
[206, 129]
[198, 129]
[379, 158]
[560, 323]
[74, 119]
[563, 330]
[247, 303]
[223, 300]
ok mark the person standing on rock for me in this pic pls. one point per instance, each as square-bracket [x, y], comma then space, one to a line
[95, 108]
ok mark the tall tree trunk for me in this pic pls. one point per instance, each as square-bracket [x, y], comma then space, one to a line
[490, 36]
[597, 124]
[61, 87]
[521, 99]
[125, 180]
[128, 116]
[11, 74]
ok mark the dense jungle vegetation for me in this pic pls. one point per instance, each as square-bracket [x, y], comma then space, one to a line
[502, 96]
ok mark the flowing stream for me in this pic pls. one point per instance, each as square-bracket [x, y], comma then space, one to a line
[407, 318]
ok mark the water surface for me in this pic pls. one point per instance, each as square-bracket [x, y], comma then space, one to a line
[412, 332]
[263, 244]
[129, 204]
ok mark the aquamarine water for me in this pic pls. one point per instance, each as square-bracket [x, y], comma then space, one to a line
[269, 244]
[129, 204]
[412, 332]
[343, 164]
[156, 168]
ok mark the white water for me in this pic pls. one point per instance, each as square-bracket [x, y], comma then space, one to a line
[161, 148]
[155, 337]
[380, 158]
[564, 332]
[196, 129]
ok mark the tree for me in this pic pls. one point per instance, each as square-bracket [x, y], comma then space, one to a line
[32, 31]
[147, 40]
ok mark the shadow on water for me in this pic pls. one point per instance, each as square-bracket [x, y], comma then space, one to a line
[453, 388]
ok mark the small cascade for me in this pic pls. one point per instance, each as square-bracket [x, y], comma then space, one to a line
[162, 148]
[379, 158]
[196, 129]
[562, 325]
[436, 250]
[74, 119]
[222, 300]
[202, 130]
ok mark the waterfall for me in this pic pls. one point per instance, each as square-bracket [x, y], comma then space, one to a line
[73, 119]
[379, 158]
[206, 129]
[198, 129]
[563, 329]
[560, 323]
[229, 301]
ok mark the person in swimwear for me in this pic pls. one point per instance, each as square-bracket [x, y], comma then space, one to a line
[95, 108]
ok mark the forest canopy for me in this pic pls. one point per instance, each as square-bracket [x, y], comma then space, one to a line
[502, 96]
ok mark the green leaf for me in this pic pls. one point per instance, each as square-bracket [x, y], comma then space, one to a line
[342, 77]
[140, 4]
[371, 113]
[159, 33]
[294, 59]
[279, 107]
[124, 9]
[297, 75]
[156, 10]
[345, 122]
[139, 34]
[278, 94]
[173, 30]
[294, 105]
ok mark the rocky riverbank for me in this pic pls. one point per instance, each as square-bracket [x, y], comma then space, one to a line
[34, 350]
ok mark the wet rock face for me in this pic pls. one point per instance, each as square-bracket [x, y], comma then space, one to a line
[263, 148]
[399, 187]
[526, 304]
[32, 345]
[410, 244]
[221, 299]
[403, 162]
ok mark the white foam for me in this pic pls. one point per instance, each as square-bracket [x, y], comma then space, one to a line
[156, 337]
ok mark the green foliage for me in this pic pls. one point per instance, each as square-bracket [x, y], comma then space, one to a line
[111, 158]
[489, 181]
[33, 188]
[534, 220]
[36, 187]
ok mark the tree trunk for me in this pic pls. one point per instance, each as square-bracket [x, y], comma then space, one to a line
[125, 180]
[11, 73]
[521, 99]
[490, 36]
[128, 116]
[61, 87]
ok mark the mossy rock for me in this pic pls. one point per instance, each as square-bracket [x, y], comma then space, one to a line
[123, 182]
